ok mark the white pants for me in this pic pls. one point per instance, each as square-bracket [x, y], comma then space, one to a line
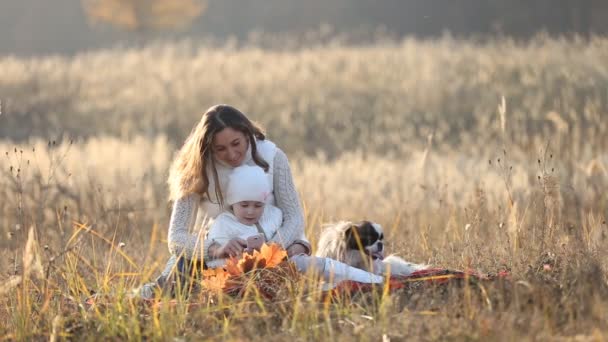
[333, 270]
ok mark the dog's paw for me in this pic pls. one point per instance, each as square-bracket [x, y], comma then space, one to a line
[398, 266]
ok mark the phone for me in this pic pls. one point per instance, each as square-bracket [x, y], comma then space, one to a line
[255, 242]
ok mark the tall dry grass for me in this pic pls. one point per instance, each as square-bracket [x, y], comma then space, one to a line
[412, 135]
[328, 97]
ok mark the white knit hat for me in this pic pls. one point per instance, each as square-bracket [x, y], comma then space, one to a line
[247, 183]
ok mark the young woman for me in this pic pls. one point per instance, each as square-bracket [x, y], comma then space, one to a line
[223, 140]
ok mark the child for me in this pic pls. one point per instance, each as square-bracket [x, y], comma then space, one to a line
[249, 216]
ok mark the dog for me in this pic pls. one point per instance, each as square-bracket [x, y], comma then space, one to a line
[361, 245]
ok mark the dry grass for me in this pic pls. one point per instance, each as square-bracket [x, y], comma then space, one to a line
[390, 96]
[520, 187]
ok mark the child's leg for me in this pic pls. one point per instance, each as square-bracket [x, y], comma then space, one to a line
[333, 270]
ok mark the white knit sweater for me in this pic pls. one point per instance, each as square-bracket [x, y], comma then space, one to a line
[189, 220]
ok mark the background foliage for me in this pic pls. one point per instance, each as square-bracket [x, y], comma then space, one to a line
[412, 134]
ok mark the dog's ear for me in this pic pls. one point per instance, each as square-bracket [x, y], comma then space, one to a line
[348, 232]
[352, 237]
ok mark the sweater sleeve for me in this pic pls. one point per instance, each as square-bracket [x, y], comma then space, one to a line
[183, 218]
[287, 200]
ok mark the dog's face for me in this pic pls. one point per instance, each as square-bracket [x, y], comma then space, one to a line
[366, 237]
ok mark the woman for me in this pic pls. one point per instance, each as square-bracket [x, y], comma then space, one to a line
[223, 140]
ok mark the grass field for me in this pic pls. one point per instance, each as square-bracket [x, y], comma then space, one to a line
[474, 155]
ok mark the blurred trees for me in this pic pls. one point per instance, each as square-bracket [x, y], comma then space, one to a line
[144, 15]
[422, 18]
[59, 26]
[418, 17]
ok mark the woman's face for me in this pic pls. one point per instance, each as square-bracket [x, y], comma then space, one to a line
[230, 146]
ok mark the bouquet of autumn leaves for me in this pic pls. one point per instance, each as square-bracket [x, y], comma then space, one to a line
[266, 272]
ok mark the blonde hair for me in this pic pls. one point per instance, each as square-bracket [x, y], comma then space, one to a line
[187, 174]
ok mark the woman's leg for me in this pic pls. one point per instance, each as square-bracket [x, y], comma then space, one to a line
[175, 276]
[333, 270]
[147, 291]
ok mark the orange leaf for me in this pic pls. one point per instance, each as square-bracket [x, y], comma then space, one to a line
[249, 262]
[210, 272]
[273, 254]
[215, 279]
[232, 266]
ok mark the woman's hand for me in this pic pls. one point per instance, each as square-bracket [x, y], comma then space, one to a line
[232, 248]
[295, 249]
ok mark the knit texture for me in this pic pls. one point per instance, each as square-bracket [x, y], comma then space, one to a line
[183, 217]
[185, 233]
[287, 199]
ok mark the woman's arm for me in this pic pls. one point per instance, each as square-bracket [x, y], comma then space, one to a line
[180, 240]
[193, 246]
[288, 201]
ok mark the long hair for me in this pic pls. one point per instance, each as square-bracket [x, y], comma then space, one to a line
[188, 173]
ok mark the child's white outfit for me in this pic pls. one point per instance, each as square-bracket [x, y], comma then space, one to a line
[249, 183]
[226, 227]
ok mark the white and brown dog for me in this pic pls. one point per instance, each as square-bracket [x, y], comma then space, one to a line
[361, 245]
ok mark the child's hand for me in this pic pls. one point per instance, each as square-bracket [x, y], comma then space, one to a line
[255, 242]
[233, 248]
